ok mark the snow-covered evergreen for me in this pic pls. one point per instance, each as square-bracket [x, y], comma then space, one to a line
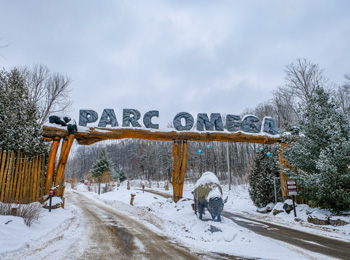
[261, 177]
[19, 129]
[321, 153]
[102, 165]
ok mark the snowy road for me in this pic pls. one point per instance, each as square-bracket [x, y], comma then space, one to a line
[106, 227]
[113, 235]
[314, 243]
[98, 231]
[322, 245]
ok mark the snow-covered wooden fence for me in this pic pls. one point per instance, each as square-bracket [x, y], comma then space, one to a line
[22, 177]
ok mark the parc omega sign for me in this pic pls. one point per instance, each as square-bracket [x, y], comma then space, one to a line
[182, 121]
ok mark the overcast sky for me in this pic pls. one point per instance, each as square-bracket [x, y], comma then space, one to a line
[175, 56]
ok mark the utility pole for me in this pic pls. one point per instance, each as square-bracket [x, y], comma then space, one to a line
[228, 167]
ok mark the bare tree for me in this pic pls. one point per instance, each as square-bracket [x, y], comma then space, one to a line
[3, 46]
[342, 95]
[286, 107]
[303, 77]
[48, 90]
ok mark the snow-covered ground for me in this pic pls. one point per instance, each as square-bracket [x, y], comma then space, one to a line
[178, 221]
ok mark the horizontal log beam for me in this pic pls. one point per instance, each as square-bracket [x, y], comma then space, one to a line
[95, 134]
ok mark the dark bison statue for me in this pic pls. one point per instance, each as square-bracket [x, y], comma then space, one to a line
[208, 194]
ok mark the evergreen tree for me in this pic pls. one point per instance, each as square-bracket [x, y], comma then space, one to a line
[261, 178]
[321, 154]
[19, 129]
[101, 165]
[122, 176]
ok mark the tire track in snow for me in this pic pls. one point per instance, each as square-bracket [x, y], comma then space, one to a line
[126, 238]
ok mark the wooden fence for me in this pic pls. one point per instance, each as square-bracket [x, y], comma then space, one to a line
[22, 177]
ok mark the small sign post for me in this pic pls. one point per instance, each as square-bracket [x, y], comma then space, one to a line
[292, 190]
[51, 194]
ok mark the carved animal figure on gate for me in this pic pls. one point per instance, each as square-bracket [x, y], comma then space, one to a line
[208, 194]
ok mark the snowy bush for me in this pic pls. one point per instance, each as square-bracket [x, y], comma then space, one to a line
[261, 178]
[321, 155]
[29, 212]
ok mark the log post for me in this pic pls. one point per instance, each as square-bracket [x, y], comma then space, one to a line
[59, 179]
[51, 164]
[3, 173]
[42, 176]
[9, 176]
[183, 166]
[283, 177]
[179, 168]
[20, 180]
[34, 185]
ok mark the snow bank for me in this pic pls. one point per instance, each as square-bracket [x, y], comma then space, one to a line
[15, 234]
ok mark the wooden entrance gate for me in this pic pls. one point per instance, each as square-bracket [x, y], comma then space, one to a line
[180, 143]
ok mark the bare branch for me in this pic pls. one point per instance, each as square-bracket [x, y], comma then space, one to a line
[49, 91]
[303, 77]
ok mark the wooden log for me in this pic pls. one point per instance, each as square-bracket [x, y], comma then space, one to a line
[176, 171]
[51, 164]
[25, 180]
[42, 177]
[283, 177]
[183, 166]
[38, 183]
[9, 175]
[20, 180]
[4, 159]
[13, 188]
[59, 179]
[95, 134]
[35, 178]
[30, 182]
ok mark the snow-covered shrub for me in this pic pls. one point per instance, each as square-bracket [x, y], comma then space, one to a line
[29, 212]
[261, 178]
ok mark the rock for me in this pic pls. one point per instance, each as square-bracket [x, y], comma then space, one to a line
[266, 209]
[318, 221]
[261, 210]
[56, 206]
[214, 229]
[270, 207]
[278, 209]
[288, 206]
[337, 222]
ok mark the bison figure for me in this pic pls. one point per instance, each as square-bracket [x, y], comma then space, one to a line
[208, 194]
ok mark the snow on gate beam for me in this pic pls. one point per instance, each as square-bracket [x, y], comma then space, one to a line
[95, 134]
